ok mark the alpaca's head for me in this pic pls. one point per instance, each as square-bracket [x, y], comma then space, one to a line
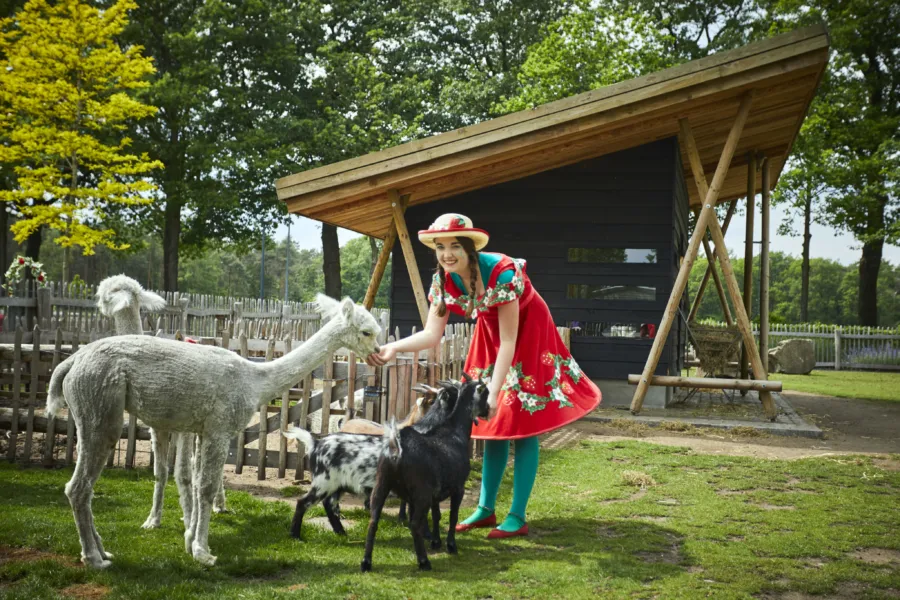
[120, 292]
[358, 328]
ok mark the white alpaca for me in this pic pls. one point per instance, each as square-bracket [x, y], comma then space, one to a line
[173, 386]
[122, 298]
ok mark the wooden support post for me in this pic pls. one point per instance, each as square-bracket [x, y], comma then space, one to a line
[748, 250]
[720, 291]
[710, 266]
[409, 255]
[764, 269]
[381, 264]
[707, 215]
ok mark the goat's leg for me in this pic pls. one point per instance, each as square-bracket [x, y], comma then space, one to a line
[212, 452]
[455, 501]
[435, 525]
[379, 495]
[184, 456]
[333, 510]
[160, 442]
[313, 496]
[418, 523]
[401, 516]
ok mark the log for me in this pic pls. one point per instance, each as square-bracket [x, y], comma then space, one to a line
[709, 383]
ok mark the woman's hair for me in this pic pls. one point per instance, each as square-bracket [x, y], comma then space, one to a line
[469, 246]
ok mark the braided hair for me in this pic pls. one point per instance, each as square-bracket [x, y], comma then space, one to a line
[469, 247]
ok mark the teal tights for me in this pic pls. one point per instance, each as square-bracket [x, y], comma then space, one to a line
[496, 453]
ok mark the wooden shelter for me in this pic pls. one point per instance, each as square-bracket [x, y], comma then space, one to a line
[726, 114]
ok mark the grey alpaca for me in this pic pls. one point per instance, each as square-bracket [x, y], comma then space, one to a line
[173, 386]
[122, 298]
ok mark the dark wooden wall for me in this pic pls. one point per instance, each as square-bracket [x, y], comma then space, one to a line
[631, 199]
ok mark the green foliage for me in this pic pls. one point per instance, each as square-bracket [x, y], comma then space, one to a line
[833, 291]
[356, 268]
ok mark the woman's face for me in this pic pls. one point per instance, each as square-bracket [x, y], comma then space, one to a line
[451, 255]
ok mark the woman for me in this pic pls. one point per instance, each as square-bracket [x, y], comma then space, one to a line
[535, 385]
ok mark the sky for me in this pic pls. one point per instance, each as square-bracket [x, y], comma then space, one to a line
[825, 243]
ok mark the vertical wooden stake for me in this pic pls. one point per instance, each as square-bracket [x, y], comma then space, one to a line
[409, 255]
[748, 252]
[764, 269]
[285, 410]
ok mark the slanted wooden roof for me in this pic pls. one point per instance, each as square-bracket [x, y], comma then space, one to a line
[783, 71]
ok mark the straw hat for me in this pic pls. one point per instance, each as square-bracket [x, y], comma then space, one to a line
[454, 225]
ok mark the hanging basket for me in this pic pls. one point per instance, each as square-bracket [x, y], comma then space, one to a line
[716, 347]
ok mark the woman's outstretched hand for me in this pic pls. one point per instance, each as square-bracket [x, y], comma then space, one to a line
[493, 405]
[381, 358]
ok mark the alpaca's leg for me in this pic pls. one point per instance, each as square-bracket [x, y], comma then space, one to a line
[184, 453]
[160, 443]
[219, 503]
[94, 442]
[211, 454]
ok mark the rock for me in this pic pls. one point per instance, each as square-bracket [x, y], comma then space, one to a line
[797, 357]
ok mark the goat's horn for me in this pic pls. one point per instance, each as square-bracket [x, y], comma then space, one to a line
[467, 377]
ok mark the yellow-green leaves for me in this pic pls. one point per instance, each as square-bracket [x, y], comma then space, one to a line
[65, 99]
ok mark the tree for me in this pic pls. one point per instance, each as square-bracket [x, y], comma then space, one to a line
[858, 104]
[66, 91]
[800, 187]
[331, 265]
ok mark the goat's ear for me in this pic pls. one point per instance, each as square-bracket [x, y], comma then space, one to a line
[152, 302]
[347, 308]
[467, 377]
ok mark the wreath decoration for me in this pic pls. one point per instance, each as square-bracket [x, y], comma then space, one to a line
[17, 270]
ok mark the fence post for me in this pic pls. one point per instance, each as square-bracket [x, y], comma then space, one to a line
[43, 307]
[837, 348]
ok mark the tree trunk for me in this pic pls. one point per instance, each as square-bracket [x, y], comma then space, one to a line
[331, 260]
[869, 265]
[4, 241]
[33, 244]
[373, 248]
[171, 240]
[804, 267]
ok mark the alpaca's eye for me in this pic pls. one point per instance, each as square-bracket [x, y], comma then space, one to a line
[367, 333]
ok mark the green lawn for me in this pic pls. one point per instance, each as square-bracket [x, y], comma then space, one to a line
[708, 526]
[869, 385]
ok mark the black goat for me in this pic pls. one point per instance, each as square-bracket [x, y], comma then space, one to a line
[347, 462]
[426, 468]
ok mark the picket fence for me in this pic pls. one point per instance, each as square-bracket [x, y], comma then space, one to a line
[841, 347]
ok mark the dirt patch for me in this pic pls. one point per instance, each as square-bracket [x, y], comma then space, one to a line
[767, 506]
[635, 496]
[876, 556]
[887, 464]
[9, 554]
[85, 591]
[297, 587]
[669, 556]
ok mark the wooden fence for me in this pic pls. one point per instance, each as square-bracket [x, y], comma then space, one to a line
[847, 347]
[341, 388]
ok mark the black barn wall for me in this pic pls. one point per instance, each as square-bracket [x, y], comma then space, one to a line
[631, 199]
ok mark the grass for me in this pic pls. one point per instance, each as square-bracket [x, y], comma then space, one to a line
[869, 385]
[711, 526]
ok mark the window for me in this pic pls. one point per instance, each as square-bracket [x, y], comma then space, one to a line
[638, 293]
[613, 255]
[612, 329]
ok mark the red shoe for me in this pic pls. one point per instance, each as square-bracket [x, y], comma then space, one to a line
[488, 521]
[499, 534]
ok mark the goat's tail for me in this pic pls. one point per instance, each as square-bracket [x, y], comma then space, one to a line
[55, 398]
[302, 436]
[392, 449]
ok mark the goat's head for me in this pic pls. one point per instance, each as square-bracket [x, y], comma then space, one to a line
[120, 292]
[358, 328]
[476, 390]
[426, 401]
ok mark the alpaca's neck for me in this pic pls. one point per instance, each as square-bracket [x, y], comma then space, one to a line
[280, 375]
[128, 322]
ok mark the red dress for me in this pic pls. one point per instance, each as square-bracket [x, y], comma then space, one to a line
[545, 389]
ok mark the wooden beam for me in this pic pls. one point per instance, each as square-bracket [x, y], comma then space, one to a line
[381, 264]
[748, 249]
[409, 255]
[764, 268]
[707, 214]
[710, 267]
[710, 383]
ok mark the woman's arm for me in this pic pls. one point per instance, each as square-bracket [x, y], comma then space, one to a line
[508, 316]
[427, 338]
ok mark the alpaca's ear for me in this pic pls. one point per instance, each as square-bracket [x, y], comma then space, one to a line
[152, 302]
[327, 307]
[347, 308]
